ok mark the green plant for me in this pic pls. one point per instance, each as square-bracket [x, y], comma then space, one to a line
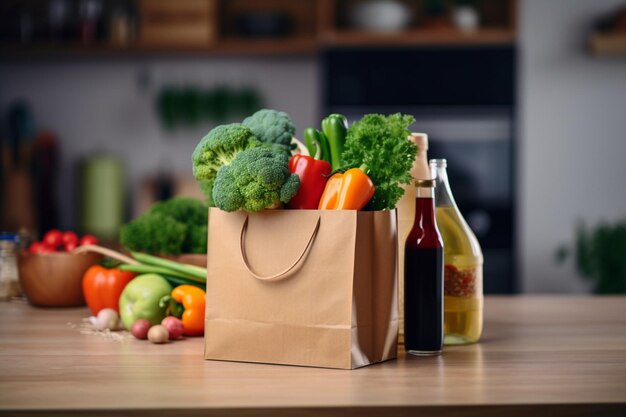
[600, 255]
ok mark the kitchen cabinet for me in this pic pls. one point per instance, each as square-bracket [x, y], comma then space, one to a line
[249, 27]
[540, 356]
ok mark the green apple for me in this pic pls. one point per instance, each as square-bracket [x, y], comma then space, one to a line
[140, 299]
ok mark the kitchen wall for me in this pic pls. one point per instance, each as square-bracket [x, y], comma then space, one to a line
[572, 136]
[572, 130]
[101, 104]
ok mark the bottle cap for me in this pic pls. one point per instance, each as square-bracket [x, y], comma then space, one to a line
[420, 139]
[425, 183]
[438, 163]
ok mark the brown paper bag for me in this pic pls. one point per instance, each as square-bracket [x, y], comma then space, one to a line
[302, 287]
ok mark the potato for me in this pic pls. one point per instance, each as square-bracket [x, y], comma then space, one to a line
[158, 334]
[140, 328]
[174, 326]
[107, 319]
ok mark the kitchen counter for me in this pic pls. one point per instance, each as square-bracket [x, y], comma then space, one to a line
[539, 356]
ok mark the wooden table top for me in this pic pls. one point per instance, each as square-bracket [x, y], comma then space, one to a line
[539, 355]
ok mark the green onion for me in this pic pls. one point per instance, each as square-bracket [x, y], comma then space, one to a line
[150, 269]
[176, 281]
[186, 269]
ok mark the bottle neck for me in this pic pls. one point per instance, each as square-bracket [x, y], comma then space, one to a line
[443, 193]
[420, 170]
[425, 233]
[424, 206]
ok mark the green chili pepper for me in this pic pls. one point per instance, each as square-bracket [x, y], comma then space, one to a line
[335, 129]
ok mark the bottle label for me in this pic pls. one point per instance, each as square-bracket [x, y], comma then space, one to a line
[462, 282]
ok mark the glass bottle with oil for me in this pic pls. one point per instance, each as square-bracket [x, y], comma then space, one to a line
[463, 265]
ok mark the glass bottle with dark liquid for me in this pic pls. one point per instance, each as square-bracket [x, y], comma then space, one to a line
[423, 277]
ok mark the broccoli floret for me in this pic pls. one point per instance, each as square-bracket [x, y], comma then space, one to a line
[206, 186]
[219, 147]
[190, 212]
[257, 179]
[183, 209]
[273, 128]
[196, 240]
[171, 227]
[154, 233]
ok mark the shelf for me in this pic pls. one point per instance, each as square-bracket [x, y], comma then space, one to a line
[210, 27]
[608, 44]
[287, 46]
[420, 37]
[291, 46]
[270, 47]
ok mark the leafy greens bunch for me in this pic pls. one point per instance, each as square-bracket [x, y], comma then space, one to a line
[172, 227]
[380, 144]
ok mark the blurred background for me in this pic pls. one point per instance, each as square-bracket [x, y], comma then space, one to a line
[103, 102]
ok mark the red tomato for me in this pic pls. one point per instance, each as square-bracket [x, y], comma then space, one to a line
[70, 246]
[69, 237]
[48, 249]
[53, 238]
[88, 240]
[36, 247]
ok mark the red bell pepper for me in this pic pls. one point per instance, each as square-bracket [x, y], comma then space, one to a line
[313, 174]
[102, 287]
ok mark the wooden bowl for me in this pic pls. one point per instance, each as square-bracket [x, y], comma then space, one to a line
[54, 279]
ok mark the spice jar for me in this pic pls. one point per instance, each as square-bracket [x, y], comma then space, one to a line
[9, 282]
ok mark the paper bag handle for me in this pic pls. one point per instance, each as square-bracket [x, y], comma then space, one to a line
[280, 275]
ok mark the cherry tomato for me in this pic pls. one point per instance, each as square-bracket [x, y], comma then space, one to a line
[70, 246]
[70, 237]
[53, 238]
[88, 240]
[36, 247]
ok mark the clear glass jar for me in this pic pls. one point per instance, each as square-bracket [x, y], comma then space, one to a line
[463, 265]
[9, 282]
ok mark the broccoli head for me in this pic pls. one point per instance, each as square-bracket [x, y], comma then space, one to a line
[257, 179]
[190, 212]
[273, 128]
[219, 147]
[183, 209]
[178, 225]
[154, 233]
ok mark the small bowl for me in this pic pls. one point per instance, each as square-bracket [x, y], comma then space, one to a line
[54, 279]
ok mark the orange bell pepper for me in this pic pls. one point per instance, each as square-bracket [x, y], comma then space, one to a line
[193, 300]
[351, 190]
[102, 287]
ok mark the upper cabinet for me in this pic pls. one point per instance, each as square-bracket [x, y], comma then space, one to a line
[247, 26]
